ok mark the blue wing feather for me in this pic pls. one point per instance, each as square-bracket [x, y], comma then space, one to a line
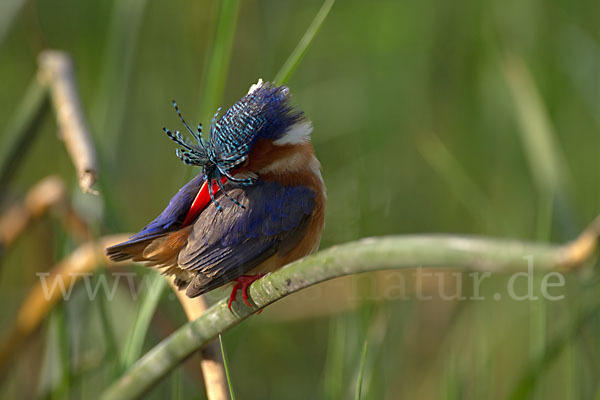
[172, 216]
[226, 244]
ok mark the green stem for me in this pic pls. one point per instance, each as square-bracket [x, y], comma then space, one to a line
[21, 130]
[137, 335]
[109, 107]
[394, 252]
[361, 371]
[298, 54]
[218, 60]
[224, 356]
[526, 386]
[108, 333]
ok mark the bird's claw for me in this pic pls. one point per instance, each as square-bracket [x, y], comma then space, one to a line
[242, 283]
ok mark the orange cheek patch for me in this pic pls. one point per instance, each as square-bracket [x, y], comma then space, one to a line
[264, 152]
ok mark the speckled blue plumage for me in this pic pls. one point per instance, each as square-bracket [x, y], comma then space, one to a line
[265, 113]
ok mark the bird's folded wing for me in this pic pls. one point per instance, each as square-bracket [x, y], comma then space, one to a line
[169, 220]
[224, 245]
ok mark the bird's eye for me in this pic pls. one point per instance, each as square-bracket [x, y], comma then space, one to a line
[239, 167]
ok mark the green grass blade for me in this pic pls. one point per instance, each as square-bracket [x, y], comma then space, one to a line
[541, 148]
[334, 362]
[137, 335]
[526, 386]
[463, 186]
[294, 59]
[361, 370]
[218, 60]
[217, 65]
[229, 383]
[9, 10]
[55, 374]
[21, 131]
[108, 333]
[109, 107]
[177, 384]
[64, 343]
[538, 137]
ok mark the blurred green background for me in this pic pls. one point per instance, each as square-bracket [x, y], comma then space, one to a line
[476, 117]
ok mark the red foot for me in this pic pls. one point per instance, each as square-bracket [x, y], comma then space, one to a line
[242, 283]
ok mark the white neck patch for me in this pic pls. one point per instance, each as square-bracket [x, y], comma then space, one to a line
[296, 134]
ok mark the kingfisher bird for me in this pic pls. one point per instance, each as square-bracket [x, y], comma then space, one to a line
[257, 204]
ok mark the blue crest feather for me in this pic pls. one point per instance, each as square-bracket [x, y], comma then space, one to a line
[265, 113]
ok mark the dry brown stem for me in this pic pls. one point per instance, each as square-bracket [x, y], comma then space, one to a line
[213, 371]
[48, 193]
[37, 303]
[56, 71]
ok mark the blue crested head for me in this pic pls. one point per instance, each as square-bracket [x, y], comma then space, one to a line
[264, 113]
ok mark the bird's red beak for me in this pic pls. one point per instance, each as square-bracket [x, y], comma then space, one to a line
[201, 201]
